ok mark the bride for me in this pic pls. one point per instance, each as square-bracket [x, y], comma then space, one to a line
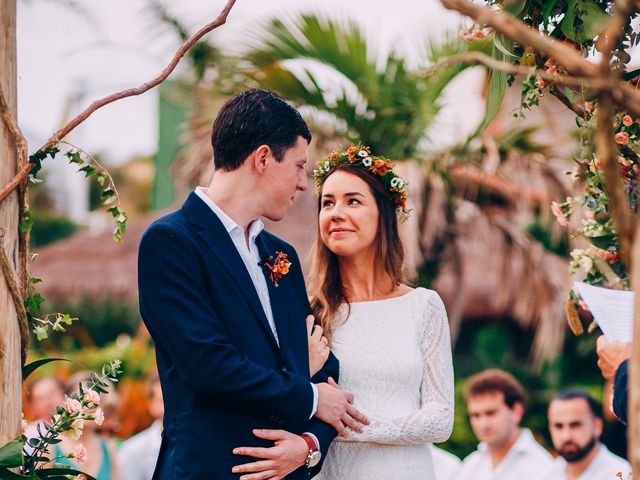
[392, 340]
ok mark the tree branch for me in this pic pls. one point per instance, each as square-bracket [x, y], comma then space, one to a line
[73, 123]
[574, 107]
[624, 96]
[484, 59]
[23, 250]
[607, 151]
[514, 29]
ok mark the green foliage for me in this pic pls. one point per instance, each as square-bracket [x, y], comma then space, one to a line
[558, 244]
[37, 159]
[583, 20]
[48, 227]
[109, 195]
[380, 101]
[32, 463]
[101, 319]
[29, 368]
[11, 454]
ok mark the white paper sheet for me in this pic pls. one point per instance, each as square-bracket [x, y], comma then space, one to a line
[611, 309]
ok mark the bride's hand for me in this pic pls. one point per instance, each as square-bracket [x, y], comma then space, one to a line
[318, 346]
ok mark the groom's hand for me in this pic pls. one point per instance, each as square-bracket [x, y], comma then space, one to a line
[334, 408]
[288, 454]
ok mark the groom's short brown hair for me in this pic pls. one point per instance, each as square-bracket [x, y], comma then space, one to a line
[252, 118]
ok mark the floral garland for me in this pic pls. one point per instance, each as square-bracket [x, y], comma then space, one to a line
[360, 156]
[600, 262]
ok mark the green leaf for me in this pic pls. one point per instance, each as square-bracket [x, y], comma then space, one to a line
[571, 95]
[590, 17]
[41, 332]
[60, 472]
[11, 454]
[6, 474]
[74, 157]
[27, 222]
[603, 241]
[546, 10]
[497, 82]
[33, 302]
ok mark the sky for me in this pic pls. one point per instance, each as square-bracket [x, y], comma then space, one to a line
[68, 58]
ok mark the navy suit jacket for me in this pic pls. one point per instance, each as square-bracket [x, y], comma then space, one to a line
[620, 392]
[221, 370]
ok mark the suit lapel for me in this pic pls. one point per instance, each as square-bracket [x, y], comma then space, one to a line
[217, 239]
[276, 294]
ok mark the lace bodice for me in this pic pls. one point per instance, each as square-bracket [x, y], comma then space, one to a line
[395, 357]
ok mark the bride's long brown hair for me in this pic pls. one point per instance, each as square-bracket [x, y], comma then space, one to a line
[325, 285]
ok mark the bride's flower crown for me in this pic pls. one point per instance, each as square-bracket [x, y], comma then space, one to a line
[360, 156]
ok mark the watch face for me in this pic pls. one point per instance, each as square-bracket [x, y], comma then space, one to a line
[313, 459]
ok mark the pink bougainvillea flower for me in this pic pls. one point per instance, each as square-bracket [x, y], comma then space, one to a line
[556, 209]
[621, 138]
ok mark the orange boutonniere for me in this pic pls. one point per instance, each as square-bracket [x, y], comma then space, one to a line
[278, 268]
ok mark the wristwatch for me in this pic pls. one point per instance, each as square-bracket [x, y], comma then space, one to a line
[314, 456]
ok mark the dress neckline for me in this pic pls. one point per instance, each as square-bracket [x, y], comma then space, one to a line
[387, 299]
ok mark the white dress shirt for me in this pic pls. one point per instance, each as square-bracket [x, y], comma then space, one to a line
[251, 259]
[605, 465]
[525, 460]
[138, 455]
[445, 464]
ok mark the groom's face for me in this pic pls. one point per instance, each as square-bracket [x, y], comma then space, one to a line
[282, 180]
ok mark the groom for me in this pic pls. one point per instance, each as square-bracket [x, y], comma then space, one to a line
[225, 303]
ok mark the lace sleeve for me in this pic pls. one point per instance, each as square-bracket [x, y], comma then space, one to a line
[433, 422]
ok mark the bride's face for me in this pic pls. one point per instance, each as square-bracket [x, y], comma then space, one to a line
[348, 216]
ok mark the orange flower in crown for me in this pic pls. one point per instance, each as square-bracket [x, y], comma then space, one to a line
[360, 156]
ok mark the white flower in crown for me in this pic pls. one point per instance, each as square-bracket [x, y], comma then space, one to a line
[367, 162]
[363, 153]
[397, 183]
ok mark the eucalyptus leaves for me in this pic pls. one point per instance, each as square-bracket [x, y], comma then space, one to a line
[31, 456]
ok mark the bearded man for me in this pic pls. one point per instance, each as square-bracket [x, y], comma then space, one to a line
[575, 426]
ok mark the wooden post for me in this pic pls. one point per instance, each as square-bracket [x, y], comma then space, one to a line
[10, 362]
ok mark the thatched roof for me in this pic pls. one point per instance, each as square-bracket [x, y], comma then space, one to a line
[94, 265]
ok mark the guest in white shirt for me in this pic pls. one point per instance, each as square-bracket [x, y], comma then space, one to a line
[575, 426]
[445, 464]
[137, 456]
[495, 403]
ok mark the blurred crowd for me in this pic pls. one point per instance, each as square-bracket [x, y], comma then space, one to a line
[495, 403]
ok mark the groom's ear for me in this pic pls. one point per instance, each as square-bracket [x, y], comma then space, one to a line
[260, 158]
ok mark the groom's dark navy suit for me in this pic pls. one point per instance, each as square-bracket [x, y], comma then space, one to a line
[222, 371]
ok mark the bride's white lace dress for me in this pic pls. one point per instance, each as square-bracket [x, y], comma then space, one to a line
[395, 357]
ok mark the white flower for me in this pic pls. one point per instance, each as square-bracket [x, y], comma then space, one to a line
[397, 182]
[363, 153]
[75, 431]
[367, 162]
[327, 166]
